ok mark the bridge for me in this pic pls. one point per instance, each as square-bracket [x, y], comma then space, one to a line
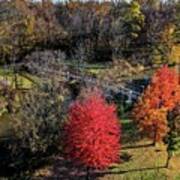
[106, 86]
[109, 88]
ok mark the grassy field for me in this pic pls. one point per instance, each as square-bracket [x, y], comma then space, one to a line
[139, 160]
[24, 80]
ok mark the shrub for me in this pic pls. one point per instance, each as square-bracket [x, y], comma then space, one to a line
[44, 63]
[39, 120]
[174, 134]
[36, 128]
[92, 132]
[160, 97]
[176, 115]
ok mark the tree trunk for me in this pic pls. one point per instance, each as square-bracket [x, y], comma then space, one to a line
[88, 174]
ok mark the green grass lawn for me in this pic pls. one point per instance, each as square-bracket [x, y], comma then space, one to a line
[140, 159]
[24, 80]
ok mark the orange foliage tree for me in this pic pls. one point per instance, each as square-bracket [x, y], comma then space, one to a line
[160, 97]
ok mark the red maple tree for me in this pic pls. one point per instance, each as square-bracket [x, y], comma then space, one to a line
[160, 97]
[92, 132]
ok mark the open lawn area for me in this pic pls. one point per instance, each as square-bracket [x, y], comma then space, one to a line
[139, 160]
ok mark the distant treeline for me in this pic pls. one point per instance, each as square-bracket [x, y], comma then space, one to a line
[141, 31]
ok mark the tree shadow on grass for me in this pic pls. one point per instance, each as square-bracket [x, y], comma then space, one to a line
[130, 132]
[66, 170]
[131, 136]
[98, 174]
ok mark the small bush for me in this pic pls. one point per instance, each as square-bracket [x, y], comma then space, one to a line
[174, 134]
[36, 128]
[44, 63]
[39, 121]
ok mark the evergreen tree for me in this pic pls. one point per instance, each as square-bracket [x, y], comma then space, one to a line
[133, 21]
